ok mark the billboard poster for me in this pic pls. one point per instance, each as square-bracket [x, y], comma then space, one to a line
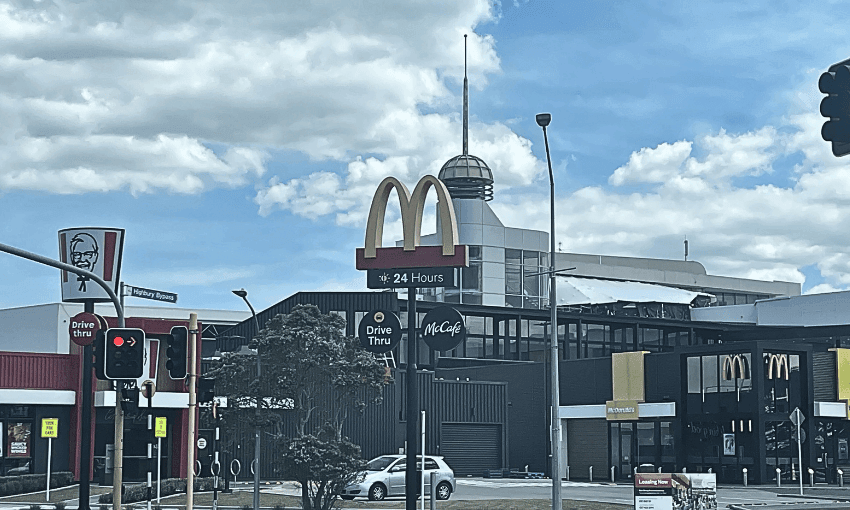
[728, 444]
[97, 250]
[18, 442]
[675, 491]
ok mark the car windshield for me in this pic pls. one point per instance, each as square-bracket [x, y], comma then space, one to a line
[379, 464]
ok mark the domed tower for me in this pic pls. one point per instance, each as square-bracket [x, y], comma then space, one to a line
[467, 176]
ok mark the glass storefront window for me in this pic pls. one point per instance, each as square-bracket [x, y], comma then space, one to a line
[694, 378]
[710, 382]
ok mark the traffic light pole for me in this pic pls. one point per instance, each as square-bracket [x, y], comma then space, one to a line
[85, 429]
[193, 406]
[119, 310]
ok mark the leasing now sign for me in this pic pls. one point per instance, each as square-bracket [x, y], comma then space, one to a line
[619, 410]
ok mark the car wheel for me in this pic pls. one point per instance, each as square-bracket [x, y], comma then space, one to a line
[377, 492]
[347, 498]
[444, 490]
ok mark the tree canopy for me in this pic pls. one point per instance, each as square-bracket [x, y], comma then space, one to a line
[312, 373]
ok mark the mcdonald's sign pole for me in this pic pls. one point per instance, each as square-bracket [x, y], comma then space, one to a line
[412, 267]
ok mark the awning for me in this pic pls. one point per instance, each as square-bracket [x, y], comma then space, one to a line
[573, 291]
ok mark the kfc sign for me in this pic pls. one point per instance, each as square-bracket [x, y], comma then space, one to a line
[97, 250]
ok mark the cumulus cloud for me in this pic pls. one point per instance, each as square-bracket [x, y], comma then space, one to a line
[758, 229]
[438, 139]
[92, 93]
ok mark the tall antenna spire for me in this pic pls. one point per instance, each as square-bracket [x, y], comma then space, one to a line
[465, 103]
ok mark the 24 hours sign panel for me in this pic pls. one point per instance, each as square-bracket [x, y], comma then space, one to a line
[410, 277]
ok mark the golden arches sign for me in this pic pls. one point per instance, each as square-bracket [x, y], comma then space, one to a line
[412, 207]
[735, 367]
[777, 362]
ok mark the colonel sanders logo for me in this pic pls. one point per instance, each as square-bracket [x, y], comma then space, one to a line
[83, 255]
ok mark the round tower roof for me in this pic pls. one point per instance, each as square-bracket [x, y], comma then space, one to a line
[467, 176]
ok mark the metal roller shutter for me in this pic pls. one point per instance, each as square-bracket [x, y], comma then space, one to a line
[588, 446]
[824, 377]
[471, 448]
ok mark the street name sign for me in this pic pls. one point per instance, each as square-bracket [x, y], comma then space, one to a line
[156, 295]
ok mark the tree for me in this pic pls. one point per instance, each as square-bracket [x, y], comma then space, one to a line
[313, 374]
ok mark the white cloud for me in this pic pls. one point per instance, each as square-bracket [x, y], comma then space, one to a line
[92, 93]
[749, 229]
[437, 138]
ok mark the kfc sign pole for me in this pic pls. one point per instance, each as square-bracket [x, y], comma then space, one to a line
[85, 433]
[411, 266]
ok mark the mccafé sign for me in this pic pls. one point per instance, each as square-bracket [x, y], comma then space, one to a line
[449, 254]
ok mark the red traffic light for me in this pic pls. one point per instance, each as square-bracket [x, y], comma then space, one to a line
[118, 341]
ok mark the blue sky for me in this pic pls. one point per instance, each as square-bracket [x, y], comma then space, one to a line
[239, 143]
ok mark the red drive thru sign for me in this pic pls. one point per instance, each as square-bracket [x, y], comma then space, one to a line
[83, 328]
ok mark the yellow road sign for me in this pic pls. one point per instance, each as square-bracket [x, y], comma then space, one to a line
[50, 427]
[159, 427]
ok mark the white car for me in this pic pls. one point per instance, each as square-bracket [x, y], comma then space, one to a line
[385, 476]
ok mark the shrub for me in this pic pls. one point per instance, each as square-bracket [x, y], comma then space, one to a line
[138, 491]
[12, 485]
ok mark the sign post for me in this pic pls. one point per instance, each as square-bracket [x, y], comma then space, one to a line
[411, 266]
[49, 430]
[159, 432]
[797, 418]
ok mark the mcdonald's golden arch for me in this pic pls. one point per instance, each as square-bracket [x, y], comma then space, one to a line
[449, 254]
[777, 366]
[735, 367]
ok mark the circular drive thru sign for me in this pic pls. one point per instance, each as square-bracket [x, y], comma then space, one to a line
[83, 328]
[379, 331]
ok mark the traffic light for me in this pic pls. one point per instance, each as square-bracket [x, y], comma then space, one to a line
[99, 362]
[836, 105]
[206, 390]
[124, 353]
[129, 398]
[178, 342]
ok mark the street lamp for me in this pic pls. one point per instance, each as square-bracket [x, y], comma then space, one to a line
[543, 120]
[244, 295]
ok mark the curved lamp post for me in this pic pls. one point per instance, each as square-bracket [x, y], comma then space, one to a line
[244, 295]
[543, 120]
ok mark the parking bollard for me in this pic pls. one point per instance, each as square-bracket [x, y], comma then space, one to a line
[659, 469]
[567, 473]
[840, 477]
[811, 477]
[612, 473]
[590, 473]
[684, 470]
[778, 477]
[744, 471]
